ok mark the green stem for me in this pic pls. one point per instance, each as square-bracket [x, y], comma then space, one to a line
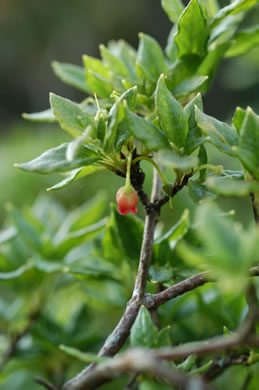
[217, 169]
[161, 174]
[128, 182]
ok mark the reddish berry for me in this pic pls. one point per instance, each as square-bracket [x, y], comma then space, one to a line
[127, 200]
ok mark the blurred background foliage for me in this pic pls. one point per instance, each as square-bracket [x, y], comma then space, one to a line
[32, 34]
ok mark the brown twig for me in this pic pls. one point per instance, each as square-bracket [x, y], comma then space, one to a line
[139, 360]
[255, 209]
[44, 383]
[15, 340]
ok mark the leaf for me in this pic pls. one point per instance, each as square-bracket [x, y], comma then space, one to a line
[199, 192]
[54, 160]
[249, 143]
[238, 118]
[173, 8]
[143, 332]
[98, 77]
[163, 338]
[187, 364]
[171, 114]
[114, 64]
[210, 63]
[74, 175]
[71, 74]
[244, 41]
[7, 234]
[127, 55]
[76, 238]
[189, 86]
[116, 115]
[25, 228]
[85, 357]
[194, 136]
[231, 187]
[222, 239]
[173, 160]
[43, 116]
[130, 229]
[193, 32]
[232, 9]
[221, 135]
[17, 273]
[150, 58]
[177, 232]
[70, 115]
[160, 274]
[144, 131]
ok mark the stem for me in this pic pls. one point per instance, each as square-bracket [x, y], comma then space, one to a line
[128, 182]
[161, 174]
[218, 169]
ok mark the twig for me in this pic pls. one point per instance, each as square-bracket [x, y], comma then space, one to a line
[255, 209]
[138, 360]
[131, 385]
[44, 383]
[14, 341]
[176, 290]
[117, 338]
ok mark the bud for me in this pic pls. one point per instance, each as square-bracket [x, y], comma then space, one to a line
[127, 200]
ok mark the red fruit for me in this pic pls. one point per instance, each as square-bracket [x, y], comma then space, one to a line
[127, 200]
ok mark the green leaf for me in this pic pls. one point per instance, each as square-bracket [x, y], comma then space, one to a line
[193, 32]
[127, 55]
[130, 229]
[163, 338]
[210, 7]
[54, 160]
[224, 31]
[222, 240]
[116, 115]
[144, 131]
[43, 116]
[172, 117]
[7, 234]
[150, 58]
[232, 9]
[199, 192]
[25, 228]
[98, 77]
[249, 143]
[231, 187]
[143, 332]
[238, 118]
[70, 115]
[244, 41]
[221, 135]
[177, 232]
[160, 274]
[194, 136]
[189, 86]
[113, 63]
[76, 238]
[187, 364]
[210, 63]
[71, 74]
[17, 273]
[83, 356]
[173, 160]
[173, 8]
[74, 175]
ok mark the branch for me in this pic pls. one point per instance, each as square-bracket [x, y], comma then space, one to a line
[195, 281]
[44, 383]
[255, 207]
[15, 340]
[117, 338]
[136, 361]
